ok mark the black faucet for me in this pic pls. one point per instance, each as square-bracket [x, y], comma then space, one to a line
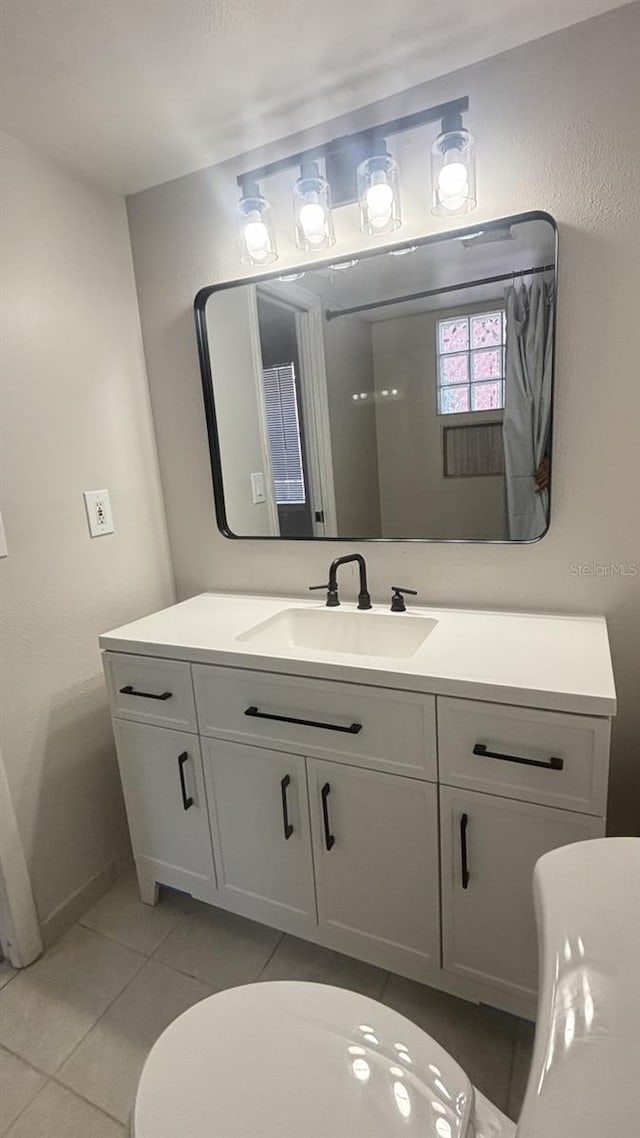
[364, 599]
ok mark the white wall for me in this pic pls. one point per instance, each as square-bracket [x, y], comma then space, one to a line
[558, 128]
[349, 363]
[75, 416]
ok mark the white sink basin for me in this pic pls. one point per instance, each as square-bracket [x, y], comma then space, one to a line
[332, 630]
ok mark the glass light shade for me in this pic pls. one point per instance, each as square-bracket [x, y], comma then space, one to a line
[312, 208]
[255, 231]
[453, 173]
[379, 195]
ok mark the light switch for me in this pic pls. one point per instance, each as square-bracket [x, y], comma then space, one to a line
[257, 488]
[4, 552]
[99, 516]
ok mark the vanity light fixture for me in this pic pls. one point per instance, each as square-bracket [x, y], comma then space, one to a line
[312, 208]
[453, 169]
[255, 231]
[358, 168]
[379, 193]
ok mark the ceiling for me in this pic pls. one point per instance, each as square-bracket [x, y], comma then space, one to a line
[135, 92]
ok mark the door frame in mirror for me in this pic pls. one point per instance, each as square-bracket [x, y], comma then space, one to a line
[202, 338]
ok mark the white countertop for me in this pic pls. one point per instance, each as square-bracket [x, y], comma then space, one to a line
[560, 663]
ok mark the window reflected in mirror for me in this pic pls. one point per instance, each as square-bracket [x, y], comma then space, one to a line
[387, 397]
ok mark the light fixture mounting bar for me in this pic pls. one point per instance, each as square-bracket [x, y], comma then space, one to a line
[359, 141]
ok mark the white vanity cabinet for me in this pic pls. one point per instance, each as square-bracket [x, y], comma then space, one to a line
[514, 783]
[378, 808]
[489, 848]
[166, 805]
[259, 811]
[375, 847]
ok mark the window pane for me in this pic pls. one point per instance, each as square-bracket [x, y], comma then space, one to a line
[486, 396]
[486, 365]
[454, 369]
[486, 330]
[454, 335]
[453, 400]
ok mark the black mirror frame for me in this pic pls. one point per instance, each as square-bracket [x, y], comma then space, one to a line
[202, 337]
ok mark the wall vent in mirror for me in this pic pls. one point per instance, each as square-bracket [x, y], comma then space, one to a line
[388, 397]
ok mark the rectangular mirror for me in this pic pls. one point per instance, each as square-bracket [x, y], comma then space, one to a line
[405, 394]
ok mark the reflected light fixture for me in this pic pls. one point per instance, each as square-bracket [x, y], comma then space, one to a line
[379, 193]
[453, 169]
[255, 231]
[312, 208]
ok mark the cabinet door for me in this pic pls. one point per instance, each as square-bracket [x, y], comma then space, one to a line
[375, 843]
[260, 825]
[489, 848]
[161, 772]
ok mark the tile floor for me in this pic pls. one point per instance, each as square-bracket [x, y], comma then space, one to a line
[75, 1028]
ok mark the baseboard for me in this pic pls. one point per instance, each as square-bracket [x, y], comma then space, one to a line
[75, 906]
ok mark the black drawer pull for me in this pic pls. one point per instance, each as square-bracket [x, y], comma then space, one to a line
[352, 729]
[552, 764]
[329, 839]
[187, 800]
[288, 828]
[464, 821]
[129, 690]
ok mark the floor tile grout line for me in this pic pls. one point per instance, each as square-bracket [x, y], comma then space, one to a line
[384, 987]
[16, 972]
[75, 1047]
[123, 944]
[271, 956]
[512, 1065]
[89, 1102]
[27, 1062]
[48, 1079]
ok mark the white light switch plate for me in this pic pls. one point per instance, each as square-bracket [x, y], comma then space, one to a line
[4, 552]
[99, 516]
[257, 488]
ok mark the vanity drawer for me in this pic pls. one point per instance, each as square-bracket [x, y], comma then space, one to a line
[535, 756]
[372, 727]
[150, 690]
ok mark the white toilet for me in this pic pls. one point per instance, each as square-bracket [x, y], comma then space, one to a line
[297, 1060]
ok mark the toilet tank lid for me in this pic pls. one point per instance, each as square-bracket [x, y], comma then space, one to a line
[585, 1074]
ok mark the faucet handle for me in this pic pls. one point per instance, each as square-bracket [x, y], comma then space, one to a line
[332, 595]
[397, 600]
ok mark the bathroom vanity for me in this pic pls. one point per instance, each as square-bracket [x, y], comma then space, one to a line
[379, 783]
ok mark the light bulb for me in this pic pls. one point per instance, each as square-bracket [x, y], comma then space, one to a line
[378, 194]
[379, 203]
[256, 236]
[312, 221]
[452, 185]
[257, 239]
[453, 169]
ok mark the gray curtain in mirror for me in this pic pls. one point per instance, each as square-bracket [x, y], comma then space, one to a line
[527, 412]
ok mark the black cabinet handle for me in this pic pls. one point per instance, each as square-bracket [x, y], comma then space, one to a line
[551, 764]
[329, 839]
[288, 828]
[187, 800]
[352, 729]
[129, 690]
[464, 821]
